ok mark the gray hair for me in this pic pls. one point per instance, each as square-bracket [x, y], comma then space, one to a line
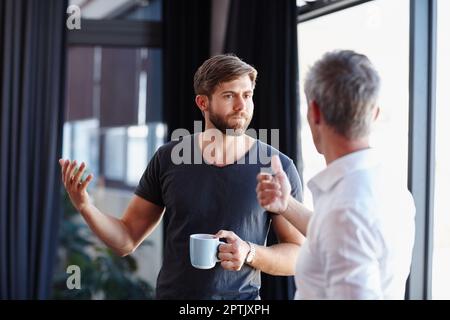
[345, 86]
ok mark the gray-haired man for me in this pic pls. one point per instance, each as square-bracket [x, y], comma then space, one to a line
[360, 237]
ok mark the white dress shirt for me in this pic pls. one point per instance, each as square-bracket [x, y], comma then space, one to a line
[360, 237]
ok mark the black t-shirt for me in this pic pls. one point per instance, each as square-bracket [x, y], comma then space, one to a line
[203, 198]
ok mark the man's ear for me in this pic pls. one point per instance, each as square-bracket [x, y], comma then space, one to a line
[202, 102]
[376, 113]
[316, 114]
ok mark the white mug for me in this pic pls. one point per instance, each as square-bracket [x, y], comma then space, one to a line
[203, 250]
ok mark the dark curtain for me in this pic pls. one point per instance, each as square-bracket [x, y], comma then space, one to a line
[264, 34]
[31, 118]
[186, 39]
[186, 35]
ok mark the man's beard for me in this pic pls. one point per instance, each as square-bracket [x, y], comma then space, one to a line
[223, 126]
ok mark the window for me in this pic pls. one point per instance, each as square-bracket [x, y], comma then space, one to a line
[114, 154]
[81, 142]
[441, 224]
[114, 111]
[370, 28]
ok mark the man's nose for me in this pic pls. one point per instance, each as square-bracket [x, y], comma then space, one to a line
[240, 104]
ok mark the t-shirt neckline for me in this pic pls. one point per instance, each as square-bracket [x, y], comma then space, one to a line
[199, 151]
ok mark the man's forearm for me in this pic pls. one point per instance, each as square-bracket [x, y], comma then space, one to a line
[112, 231]
[298, 215]
[279, 259]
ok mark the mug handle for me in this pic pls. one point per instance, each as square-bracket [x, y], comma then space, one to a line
[217, 249]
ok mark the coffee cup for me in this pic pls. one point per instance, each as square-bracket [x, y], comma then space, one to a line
[203, 250]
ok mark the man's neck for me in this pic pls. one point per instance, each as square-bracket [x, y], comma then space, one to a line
[338, 146]
[223, 149]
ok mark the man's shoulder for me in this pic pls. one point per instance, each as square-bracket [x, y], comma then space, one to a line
[166, 148]
[271, 151]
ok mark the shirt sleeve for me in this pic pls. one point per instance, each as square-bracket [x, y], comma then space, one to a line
[149, 186]
[350, 249]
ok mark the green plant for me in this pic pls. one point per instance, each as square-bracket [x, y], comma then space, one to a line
[104, 275]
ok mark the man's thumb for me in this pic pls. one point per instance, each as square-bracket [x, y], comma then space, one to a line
[276, 165]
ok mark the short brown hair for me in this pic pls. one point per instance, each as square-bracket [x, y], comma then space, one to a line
[345, 86]
[218, 69]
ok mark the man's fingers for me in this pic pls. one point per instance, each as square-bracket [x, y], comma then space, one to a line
[273, 193]
[225, 256]
[264, 177]
[267, 200]
[61, 163]
[267, 185]
[66, 166]
[226, 247]
[64, 170]
[229, 235]
[276, 165]
[228, 265]
[70, 171]
[266, 203]
[231, 265]
[85, 183]
[79, 174]
[71, 179]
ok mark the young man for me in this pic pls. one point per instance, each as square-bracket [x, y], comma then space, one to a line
[214, 195]
[360, 238]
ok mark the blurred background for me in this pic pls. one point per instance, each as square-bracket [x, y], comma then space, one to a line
[111, 92]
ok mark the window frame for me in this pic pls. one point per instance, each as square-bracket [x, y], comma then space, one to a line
[422, 95]
[316, 9]
[117, 33]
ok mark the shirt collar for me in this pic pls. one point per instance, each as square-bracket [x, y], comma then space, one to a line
[341, 167]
